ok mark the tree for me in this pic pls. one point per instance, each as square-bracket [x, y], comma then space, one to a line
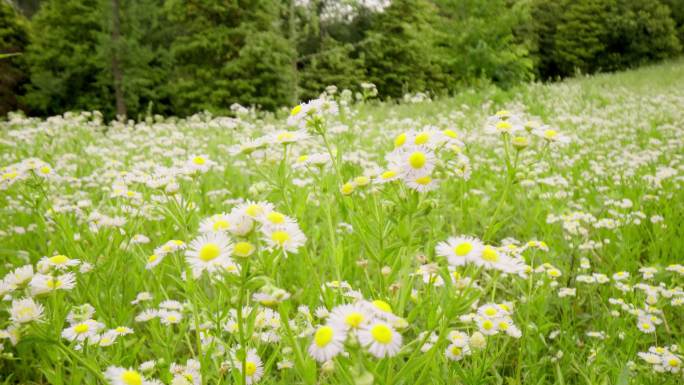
[13, 69]
[398, 50]
[212, 58]
[477, 41]
[65, 61]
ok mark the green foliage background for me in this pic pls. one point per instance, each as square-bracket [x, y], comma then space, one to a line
[179, 57]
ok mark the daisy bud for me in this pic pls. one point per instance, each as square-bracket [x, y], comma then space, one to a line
[478, 341]
[386, 270]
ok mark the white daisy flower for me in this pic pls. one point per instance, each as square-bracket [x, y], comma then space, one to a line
[25, 310]
[154, 259]
[215, 223]
[380, 339]
[460, 250]
[122, 376]
[487, 326]
[421, 183]
[209, 252]
[19, 276]
[42, 283]
[456, 352]
[169, 317]
[59, 262]
[288, 238]
[82, 330]
[328, 342]
[349, 317]
[199, 163]
[254, 368]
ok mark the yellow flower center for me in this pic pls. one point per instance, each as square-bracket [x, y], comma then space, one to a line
[254, 210]
[503, 325]
[450, 133]
[388, 174]
[503, 126]
[131, 377]
[347, 188]
[275, 217]
[250, 368]
[487, 325]
[463, 249]
[243, 249]
[489, 254]
[54, 283]
[354, 319]
[171, 318]
[9, 175]
[45, 170]
[221, 224]
[59, 259]
[645, 325]
[550, 134]
[198, 160]
[209, 252]
[456, 351]
[400, 140]
[422, 138]
[152, 258]
[490, 312]
[381, 333]
[285, 136]
[296, 110]
[302, 158]
[81, 328]
[520, 141]
[323, 336]
[674, 362]
[382, 305]
[424, 180]
[120, 329]
[417, 159]
[280, 237]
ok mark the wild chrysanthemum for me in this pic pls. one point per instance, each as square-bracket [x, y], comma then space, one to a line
[25, 310]
[460, 250]
[82, 330]
[215, 223]
[209, 252]
[327, 342]
[287, 237]
[122, 376]
[254, 368]
[349, 317]
[380, 339]
[42, 283]
[456, 352]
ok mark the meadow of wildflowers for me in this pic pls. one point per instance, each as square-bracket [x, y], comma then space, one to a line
[527, 237]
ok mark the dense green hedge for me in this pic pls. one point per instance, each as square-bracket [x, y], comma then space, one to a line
[178, 57]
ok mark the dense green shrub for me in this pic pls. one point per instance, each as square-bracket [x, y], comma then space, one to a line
[600, 35]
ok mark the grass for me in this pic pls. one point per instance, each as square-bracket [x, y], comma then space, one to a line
[560, 218]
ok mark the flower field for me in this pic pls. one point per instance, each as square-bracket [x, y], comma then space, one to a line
[533, 236]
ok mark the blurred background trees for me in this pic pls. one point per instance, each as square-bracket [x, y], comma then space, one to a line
[135, 57]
